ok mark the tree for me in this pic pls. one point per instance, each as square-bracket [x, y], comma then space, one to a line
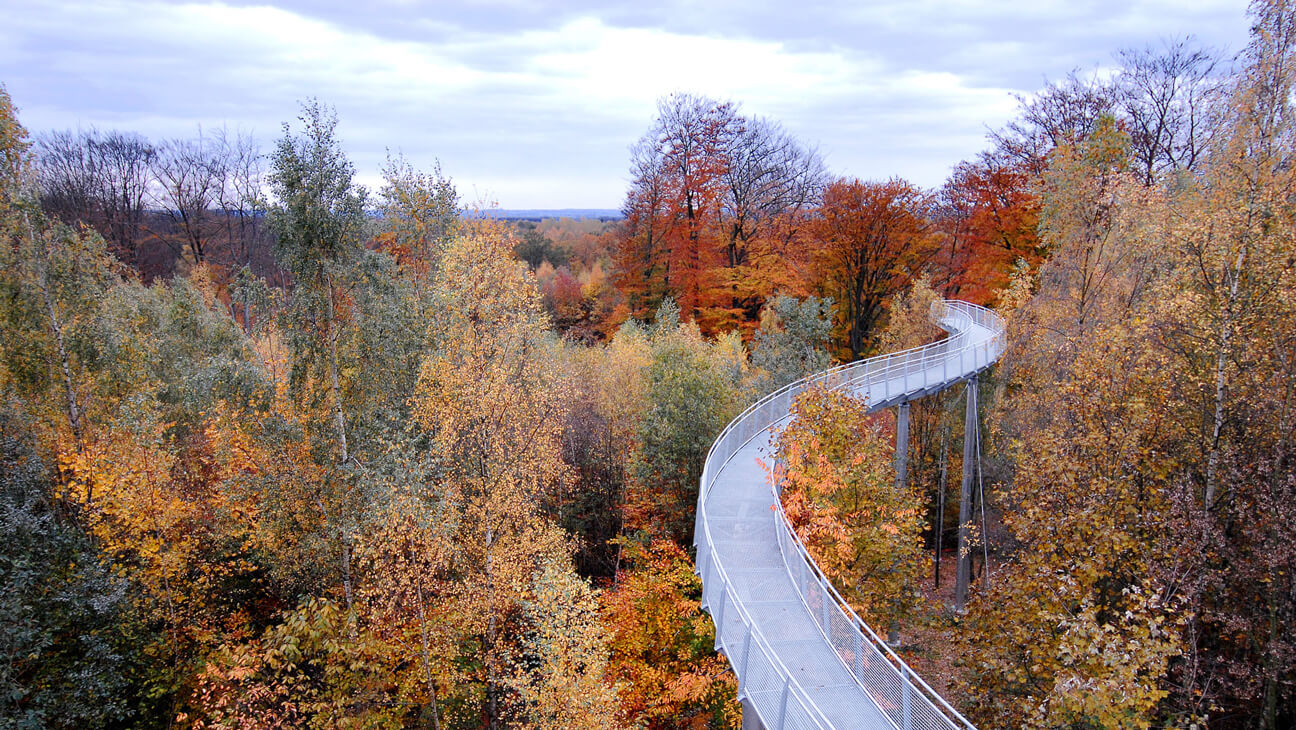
[316, 668]
[560, 667]
[988, 211]
[663, 645]
[422, 215]
[15, 156]
[63, 611]
[100, 179]
[840, 496]
[492, 408]
[1164, 97]
[406, 553]
[54, 279]
[792, 341]
[240, 196]
[711, 214]
[1063, 112]
[868, 239]
[690, 392]
[318, 220]
[190, 183]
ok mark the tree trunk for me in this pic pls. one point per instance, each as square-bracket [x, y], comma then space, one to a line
[56, 330]
[1221, 384]
[427, 656]
[963, 575]
[334, 390]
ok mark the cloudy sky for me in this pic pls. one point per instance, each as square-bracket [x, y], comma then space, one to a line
[534, 105]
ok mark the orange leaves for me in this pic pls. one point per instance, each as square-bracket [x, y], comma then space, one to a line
[990, 217]
[868, 240]
[839, 494]
[715, 201]
[662, 643]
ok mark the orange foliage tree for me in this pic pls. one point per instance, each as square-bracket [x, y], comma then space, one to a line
[711, 213]
[989, 218]
[868, 240]
[840, 496]
[663, 645]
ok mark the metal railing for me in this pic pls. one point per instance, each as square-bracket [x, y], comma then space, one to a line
[764, 681]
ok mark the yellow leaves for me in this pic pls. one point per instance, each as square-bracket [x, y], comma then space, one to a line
[1108, 673]
[561, 676]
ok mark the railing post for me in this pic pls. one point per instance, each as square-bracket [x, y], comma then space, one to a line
[826, 610]
[859, 653]
[719, 621]
[787, 687]
[742, 674]
[906, 699]
[708, 563]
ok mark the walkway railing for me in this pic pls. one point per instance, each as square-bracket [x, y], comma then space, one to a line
[765, 682]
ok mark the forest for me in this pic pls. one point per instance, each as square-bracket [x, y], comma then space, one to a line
[277, 450]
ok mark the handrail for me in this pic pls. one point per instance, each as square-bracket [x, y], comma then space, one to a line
[957, 357]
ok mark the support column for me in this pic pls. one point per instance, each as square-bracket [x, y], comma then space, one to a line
[964, 574]
[902, 446]
[902, 480]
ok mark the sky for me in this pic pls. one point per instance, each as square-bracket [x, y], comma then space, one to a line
[535, 105]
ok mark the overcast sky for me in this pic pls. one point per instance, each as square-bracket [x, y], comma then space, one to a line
[534, 105]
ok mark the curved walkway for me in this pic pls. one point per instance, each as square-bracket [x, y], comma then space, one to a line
[802, 656]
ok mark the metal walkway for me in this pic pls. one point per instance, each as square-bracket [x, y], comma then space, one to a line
[803, 657]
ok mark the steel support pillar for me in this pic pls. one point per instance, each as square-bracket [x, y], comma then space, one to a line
[902, 480]
[964, 574]
[749, 719]
[902, 446]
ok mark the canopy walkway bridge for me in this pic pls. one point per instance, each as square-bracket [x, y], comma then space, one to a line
[804, 659]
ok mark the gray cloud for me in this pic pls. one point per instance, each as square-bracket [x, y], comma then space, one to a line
[535, 104]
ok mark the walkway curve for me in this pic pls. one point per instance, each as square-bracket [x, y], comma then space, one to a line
[804, 659]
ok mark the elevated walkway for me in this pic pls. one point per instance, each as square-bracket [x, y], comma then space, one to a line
[804, 659]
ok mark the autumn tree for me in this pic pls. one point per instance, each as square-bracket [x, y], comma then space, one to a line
[988, 215]
[318, 221]
[839, 492]
[1063, 112]
[711, 211]
[560, 667]
[869, 238]
[1233, 325]
[608, 404]
[314, 669]
[1140, 502]
[678, 166]
[420, 213]
[493, 409]
[663, 645]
